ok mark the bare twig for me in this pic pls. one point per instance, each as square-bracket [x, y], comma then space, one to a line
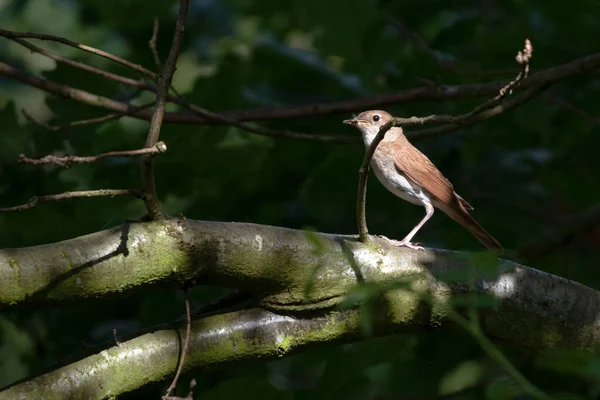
[67, 91]
[41, 36]
[523, 58]
[34, 201]
[507, 105]
[282, 134]
[188, 328]
[80, 65]
[140, 112]
[428, 92]
[66, 161]
[152, 44]
[163, 83]
[175, 99]
[83, 122]
[140, 84]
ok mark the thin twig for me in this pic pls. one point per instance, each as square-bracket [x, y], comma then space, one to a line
[422, 93]
[523, 58]
[34, 201]
[76, 64]
[41, 36]
[140, 84]
[152, 44]
[140, 112]
[83, 122]
[281, 134]
[67, 91]
[507, 105]
[188, 329]
[66, 161]
[178, 99]
[163, 83]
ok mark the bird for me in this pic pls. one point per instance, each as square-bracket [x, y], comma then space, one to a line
[410, 175]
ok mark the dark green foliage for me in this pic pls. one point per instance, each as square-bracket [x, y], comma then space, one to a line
[525, 172]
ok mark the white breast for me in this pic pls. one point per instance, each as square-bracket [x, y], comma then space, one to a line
[396, 182]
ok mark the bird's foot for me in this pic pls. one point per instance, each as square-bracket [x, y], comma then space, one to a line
[403, 243]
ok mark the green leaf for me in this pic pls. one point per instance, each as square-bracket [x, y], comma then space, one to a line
[465, 375]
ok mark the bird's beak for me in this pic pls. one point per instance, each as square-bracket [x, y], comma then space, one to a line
[353, 121]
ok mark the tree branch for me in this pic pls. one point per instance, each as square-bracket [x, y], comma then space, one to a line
[531, 302]
[423, 93]
[429, 92]
[507, 105]
[71, 195]
[82, 122]
[66, 161]
[28, 35]
[184, 350]
[180, 100]
[80, 65]
[152, 44]
[163, 84]
[282, 134]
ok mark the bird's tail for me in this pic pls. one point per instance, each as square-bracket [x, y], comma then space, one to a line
[463, 217]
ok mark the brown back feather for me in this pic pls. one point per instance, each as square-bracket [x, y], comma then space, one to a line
[418, 168]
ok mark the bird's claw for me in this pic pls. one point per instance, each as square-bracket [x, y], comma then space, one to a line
[403, 243]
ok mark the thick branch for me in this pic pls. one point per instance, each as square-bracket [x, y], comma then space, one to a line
[270, 264]
[537, 311]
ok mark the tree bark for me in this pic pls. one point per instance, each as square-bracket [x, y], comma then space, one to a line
[298, 280]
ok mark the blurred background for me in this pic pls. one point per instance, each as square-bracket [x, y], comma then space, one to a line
[531, 173]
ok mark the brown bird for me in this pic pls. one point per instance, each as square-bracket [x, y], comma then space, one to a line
[410, 175]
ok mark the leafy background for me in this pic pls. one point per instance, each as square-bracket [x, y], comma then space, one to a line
[527, 172]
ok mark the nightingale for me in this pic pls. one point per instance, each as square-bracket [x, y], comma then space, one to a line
[410, 175]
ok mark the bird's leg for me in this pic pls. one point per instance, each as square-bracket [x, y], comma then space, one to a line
[406, 241]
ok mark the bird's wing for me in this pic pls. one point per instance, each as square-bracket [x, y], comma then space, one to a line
[418, 168]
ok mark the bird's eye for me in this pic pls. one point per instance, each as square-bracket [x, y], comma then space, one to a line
[376, 118]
